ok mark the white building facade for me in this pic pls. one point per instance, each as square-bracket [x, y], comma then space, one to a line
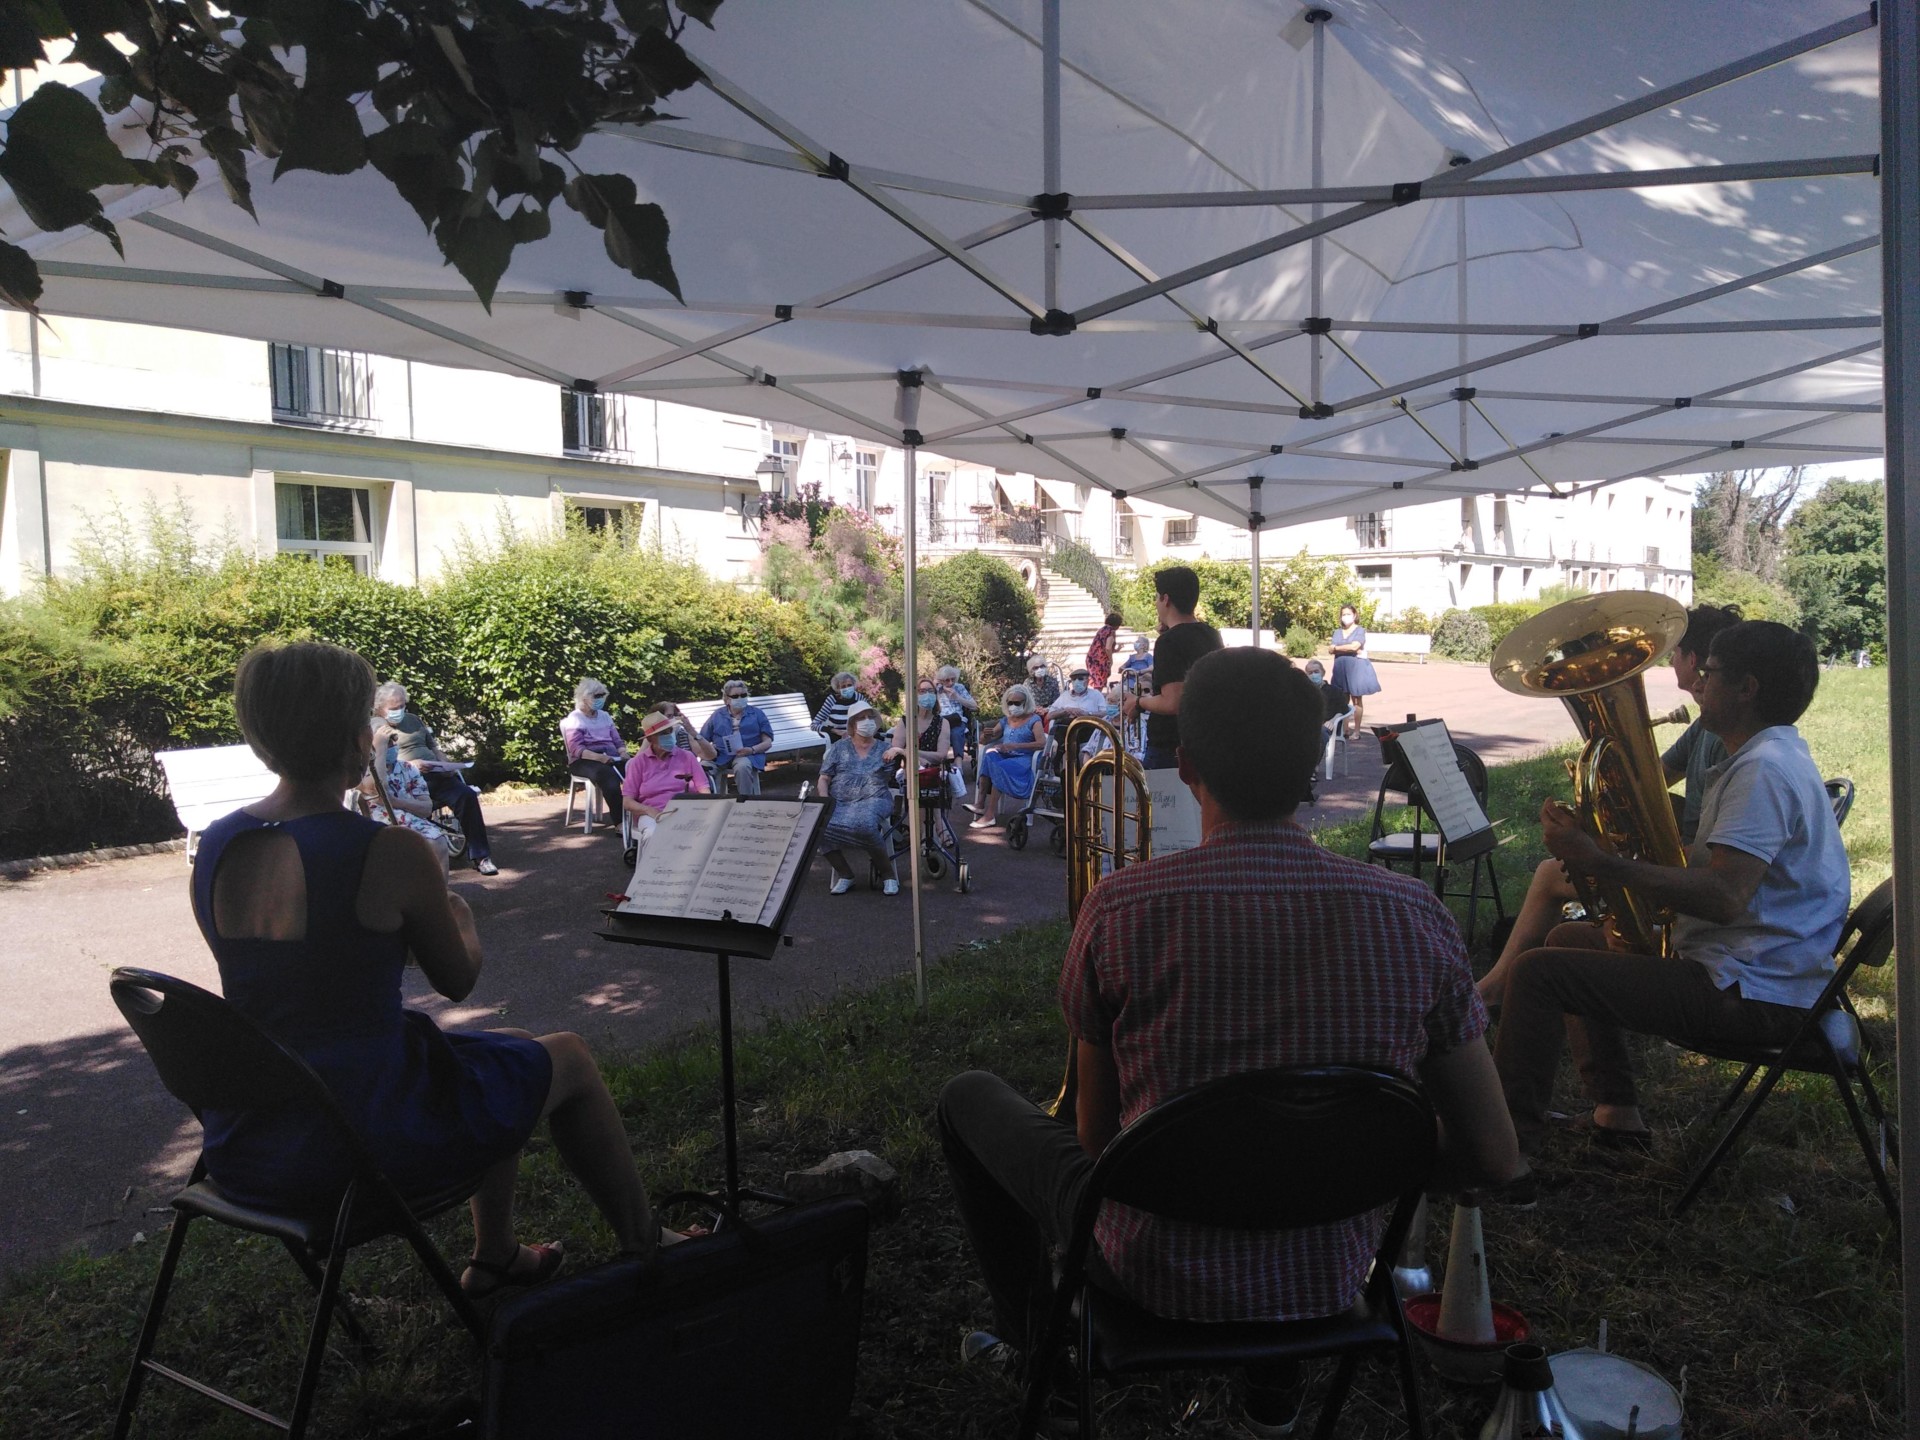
[385, 465]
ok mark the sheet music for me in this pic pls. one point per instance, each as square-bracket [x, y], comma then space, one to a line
[1429, 750]
[1176, 814]
[675, 856]
[789, 871]
[740, 869]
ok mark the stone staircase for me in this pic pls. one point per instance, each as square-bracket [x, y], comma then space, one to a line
[1068, 620]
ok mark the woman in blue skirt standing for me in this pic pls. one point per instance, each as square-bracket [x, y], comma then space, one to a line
[1352, 670]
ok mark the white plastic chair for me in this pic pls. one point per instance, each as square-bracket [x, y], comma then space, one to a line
[589, 808]
[1337, 743]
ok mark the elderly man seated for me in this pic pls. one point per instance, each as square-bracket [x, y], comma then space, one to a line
[414, 740]
[1079, 698]
[1258, 948]
[1760, 903]
[656, 773]
[741, 735]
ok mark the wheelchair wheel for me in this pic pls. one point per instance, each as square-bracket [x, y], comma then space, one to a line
[934, 863]
[966, 877]
[1017, 832]
[1058, 840]
[456, 837]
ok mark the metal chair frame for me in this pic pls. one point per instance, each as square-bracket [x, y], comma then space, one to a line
[1422, 844]
[1267, 1150]
[1812, 1051]
[212, 1057]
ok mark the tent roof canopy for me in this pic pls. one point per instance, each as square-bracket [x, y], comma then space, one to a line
[1403, 254]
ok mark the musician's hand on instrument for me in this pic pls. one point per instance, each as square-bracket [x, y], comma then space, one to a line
[1566, 841]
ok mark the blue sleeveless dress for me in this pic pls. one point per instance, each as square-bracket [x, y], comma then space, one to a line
[434, 1106]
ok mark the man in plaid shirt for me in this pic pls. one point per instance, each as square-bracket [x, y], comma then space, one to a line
[1255, 949]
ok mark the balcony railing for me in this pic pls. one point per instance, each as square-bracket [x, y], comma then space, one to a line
[316, 386]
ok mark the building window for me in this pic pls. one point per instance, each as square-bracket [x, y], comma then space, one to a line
[592, 424]
[1377, 582]
[866, 476]
[1466, 516]
[1181, 532]
[1499, 520]
[316, 386]
[1370, 531]
[1653, 557]
[610, 517]
[329, 524]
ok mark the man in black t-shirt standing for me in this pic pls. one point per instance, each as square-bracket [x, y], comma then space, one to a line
[1183, 640]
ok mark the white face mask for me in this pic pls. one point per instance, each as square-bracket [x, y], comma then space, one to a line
[867, 726]
[1079, 687]
[394, 717]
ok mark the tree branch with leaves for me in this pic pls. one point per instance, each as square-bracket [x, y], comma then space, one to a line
[481, 106]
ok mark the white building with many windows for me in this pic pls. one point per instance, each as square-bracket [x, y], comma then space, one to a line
[386, 464]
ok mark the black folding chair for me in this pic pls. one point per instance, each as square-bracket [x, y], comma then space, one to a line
[1421, 845]
[1269, 1150]
[211, 1057]
[1829, 1042]
[1840, 794]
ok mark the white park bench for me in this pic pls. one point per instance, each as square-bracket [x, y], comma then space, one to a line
[211, 782]
[789, 714]
[1384, 645]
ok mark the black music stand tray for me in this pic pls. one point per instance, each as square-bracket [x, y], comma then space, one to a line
[723, 939]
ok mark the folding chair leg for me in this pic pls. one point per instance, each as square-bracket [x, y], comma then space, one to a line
[1725, 1142]
[1876, 1109]
[1086, 1372]
[449, 1284]
[348, 1321]
[1336, 1400]
[322, 1321]
[1040, 1363]
[150, 1329]
[1867, 1149]
[1409, 1380]
[1732, 1096]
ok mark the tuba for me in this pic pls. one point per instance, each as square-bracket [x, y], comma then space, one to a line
[1109, 822]
[1590, 653]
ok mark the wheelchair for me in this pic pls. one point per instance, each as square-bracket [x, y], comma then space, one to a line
[939, 845]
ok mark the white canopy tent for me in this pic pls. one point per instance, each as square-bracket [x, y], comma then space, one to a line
[1264, 263]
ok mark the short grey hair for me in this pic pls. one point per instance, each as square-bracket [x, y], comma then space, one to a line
[731, 683]
[587, 689]
[387, 691]
[1017, 692]
[947, 672]
[839, 675]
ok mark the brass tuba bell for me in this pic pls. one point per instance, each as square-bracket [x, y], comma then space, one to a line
[1590, 653]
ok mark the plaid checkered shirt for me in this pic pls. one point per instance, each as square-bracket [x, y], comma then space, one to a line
[1257, 948]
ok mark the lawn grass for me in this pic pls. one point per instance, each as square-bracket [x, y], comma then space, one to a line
[1777, 1294]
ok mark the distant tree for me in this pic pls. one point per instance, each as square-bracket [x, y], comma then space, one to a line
[1738, 517]
[1836, 566]
[1716, 584]
[482, 103]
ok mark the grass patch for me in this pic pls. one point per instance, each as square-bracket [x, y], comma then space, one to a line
[1785, 1316]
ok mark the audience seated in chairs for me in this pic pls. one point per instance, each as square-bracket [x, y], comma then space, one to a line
[1760, 904]
[857, 774]
[957, 707]
[395, 794]
[1173, 978]
[312, 913]
[660, 770]
[419, 749]
[741, 735]
[1009, 765]
[595, 750]
[830, 720]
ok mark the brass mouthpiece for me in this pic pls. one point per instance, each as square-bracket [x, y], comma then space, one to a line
[1679, 715]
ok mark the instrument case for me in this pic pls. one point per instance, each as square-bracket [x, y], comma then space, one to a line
[753, 1331]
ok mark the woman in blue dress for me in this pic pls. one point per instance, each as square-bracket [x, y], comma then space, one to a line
[1008, 767]
[312, 912]
[1352, 670]
[856, 774]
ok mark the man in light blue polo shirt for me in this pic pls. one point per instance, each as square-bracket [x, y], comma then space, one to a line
[1760, 905]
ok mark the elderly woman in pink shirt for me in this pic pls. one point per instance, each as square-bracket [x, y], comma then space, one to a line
[594, 747]
[661, 770]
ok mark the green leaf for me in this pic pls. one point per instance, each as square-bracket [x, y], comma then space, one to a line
[324, 134]
[19, 278]
[418, 163]
[479, 246]
[229, 149]
[663, 64]
[636, 234]
[640, 15]
[701, 10]
[65, 128]
[20, 47]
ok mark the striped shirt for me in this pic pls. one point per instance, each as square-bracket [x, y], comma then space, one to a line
[1256, 949]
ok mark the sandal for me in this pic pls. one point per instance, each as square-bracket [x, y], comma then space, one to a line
[1609, 1137]
[548, 1257]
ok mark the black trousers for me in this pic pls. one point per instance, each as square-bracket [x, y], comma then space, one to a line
[606, 777]
[448, 789]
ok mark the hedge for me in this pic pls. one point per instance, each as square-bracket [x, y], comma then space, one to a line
[1302, 590]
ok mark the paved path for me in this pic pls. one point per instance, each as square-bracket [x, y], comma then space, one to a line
[89, 1142]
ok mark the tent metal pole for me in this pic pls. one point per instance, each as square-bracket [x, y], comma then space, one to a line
[909, 415]
[1254, 519]
[1318, 255]
[1050, 123]
[1900, 264]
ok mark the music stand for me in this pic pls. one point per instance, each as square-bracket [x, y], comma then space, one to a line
[1462, 829]
[723, 939]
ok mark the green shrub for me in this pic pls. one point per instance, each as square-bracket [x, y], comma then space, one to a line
[1411, 621]
[1302, 590]
[1301, 642]
[983, 588]
[1715, 584]
[1463, 635]
[1504, 618]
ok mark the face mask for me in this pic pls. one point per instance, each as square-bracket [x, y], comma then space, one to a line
[1316, 677]
[736, 702]
[1113, 711]
[1016, 709]
[600, 703]
[867, 728]
[848, 693]
[666, 740]
[1040, 673]
[394, 717]
[1079, 687]
[926, 700]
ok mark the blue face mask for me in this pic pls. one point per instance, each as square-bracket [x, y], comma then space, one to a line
[666, 739]
[600, 703]
[394, 717]
[1113, 712]
[848, 694]
[926, 700]
[736, 702]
